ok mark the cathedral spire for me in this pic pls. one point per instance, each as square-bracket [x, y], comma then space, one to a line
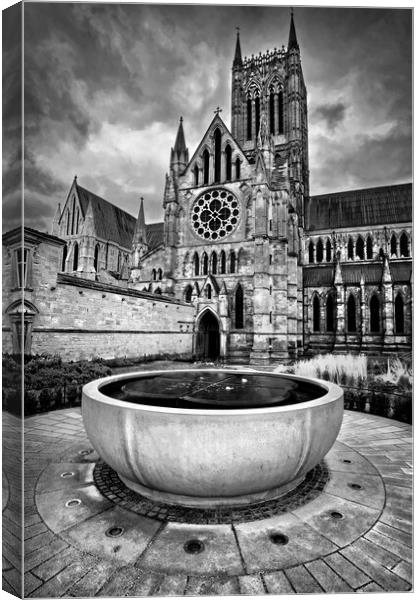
[180, 145]
[179, 156]
[237, 62]
[292, 39]
[140, 234]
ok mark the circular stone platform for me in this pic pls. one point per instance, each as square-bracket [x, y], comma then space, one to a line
[346, 527]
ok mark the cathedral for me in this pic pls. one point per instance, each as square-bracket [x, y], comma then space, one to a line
[268, 271]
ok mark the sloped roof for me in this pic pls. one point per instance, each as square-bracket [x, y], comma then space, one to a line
[372, 272]
[115, 224]
[355, 208]
[401, 272]
[323, 276]
[318, 276]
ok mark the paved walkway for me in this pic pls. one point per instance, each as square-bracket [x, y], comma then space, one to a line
[355, 535]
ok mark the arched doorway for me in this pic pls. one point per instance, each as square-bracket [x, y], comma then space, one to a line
[208, 337]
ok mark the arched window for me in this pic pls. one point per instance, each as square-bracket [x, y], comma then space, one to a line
[96, 257]
[228, 152]
[404, 245]
[119, 262]
[272, 111]
[196, 263]
[393, 245]
[381, 253]
[330, 313]
[205, 160]
[239, 307]
[374, 314]
[359, 248]
[160, 274]
[68, 221]
[399, 314]
[249, 118]
[311, 252]
[316, 313]
[232, 262]
[217, 156]
[75, 256]
[319, 251]
[77, 220]
[188, 294]
[204, 264]
[350, 248]
[72, 216]
[153, 275]
[64, 258]
[196, 174]
[157, 291]
[280, 113]
[214, 263]
[237, 168]
[369, 247]
[351, 314]
[257, 113]
[328, 250]
[222, 262]
[209, 291]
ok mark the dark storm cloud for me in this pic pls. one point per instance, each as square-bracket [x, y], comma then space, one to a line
[106, 84]
[332, 114]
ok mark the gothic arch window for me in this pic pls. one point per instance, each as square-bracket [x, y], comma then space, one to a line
[232, 262]
[272, 111]
[350, 249]
[222, 262]
[72, 216]
[330, 313]
[249, 117]
[196, 263]
[351, 314]
[214, 263]
[77, 220]
[311, 252]
[374, 314]
[280, 113]
[204, 264]
[64, 258]
[217, 156]
[399, 314]
[68, 221]
[205, 160]
[228, 152]
[160, 274]
[208, 291]
[319, 251]
[96, 257]
[393, 245]
[404, 245]
[328, 250]
[381, 253]
[257, 112]
[359, 248]
[196, 174]
[237, 168]
[369, 247]
[153, 275]
[188, 293]
[316, 313]
[239, 308]
[75, 256]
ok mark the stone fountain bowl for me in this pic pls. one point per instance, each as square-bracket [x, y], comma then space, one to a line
[203, 446]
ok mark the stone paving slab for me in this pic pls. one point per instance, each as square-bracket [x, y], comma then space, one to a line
[67, 551]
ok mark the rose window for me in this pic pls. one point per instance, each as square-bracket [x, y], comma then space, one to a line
[215, 214]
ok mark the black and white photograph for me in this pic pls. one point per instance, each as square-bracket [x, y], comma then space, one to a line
[207, 299]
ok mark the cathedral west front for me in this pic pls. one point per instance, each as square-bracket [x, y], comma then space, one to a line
[260, 270]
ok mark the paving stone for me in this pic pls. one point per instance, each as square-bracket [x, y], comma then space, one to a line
[6, 564]
[9, 589]
[93, 580]
[145, 584]
[394, 533]
[220, 553]
[212, 586]
[33, 530]
[404, 570]
[349, 572]
[251, 585]
[381, 555]
[62, 581]
[172, 585]
[260, 553]
[14, 579]
[39, 541]
[90, 535]
[392, 545]
[31, 583]
[371, 588]
[120, 583]
[36, 557]
[387, 579]
[56, 563]
[328, 579]
[371, 493]
[398, 518]
[51, 480]
[277, 583]
[302, 581]
[358, 464]
[12, 556]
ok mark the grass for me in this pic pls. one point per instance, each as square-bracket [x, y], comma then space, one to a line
[348, 369]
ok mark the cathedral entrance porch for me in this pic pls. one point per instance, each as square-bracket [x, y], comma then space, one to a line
[207, 343]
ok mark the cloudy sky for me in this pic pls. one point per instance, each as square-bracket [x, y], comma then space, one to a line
[105, 85]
